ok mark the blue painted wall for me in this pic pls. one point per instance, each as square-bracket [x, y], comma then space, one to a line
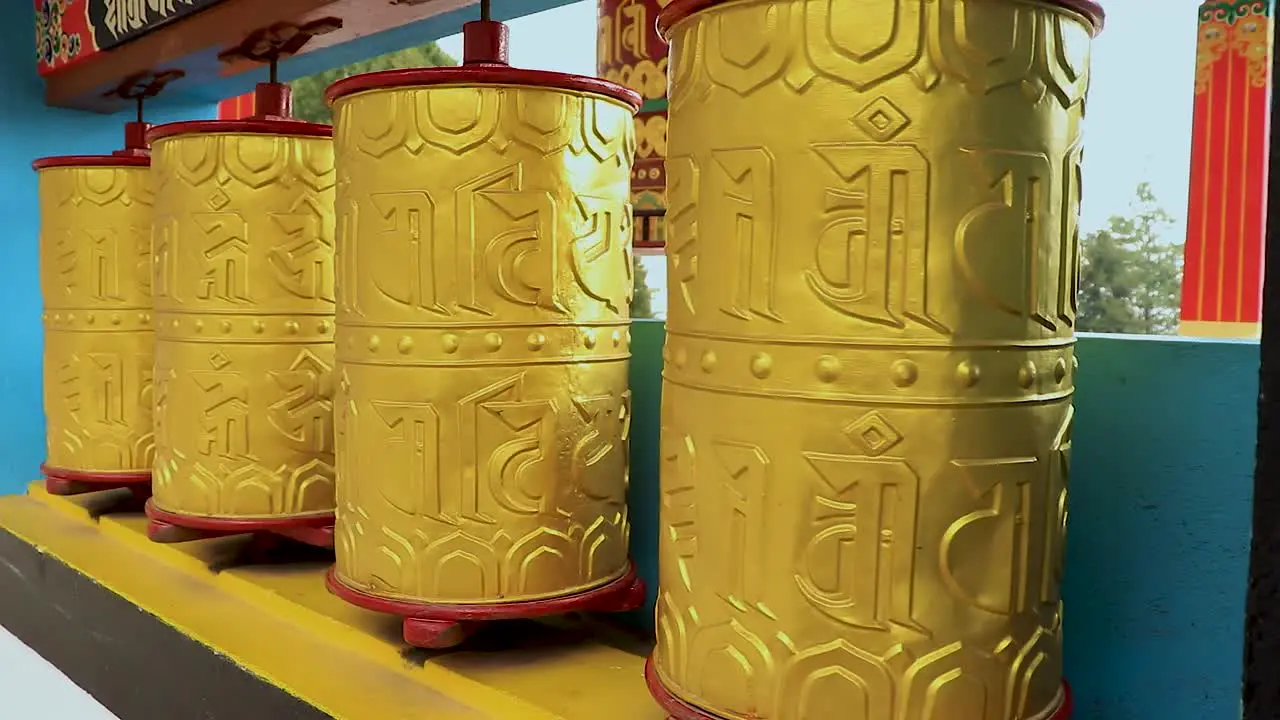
[28, 130]
[1158, 535]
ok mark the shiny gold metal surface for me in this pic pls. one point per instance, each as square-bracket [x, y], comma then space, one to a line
[867, 415]
[95, 263]
[484, 284]
[244, 297]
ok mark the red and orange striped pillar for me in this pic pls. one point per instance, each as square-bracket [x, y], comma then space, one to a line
[1226, 213]
[236, 108]
[630, 52]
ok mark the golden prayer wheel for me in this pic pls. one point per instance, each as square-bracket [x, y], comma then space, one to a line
[95, 265]
[484, 286]
[870, 357]
[95, 276]
[631, 53]
[244, 296]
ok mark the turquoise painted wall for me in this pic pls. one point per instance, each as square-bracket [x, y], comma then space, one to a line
[1158, 535]
[28, 130]
[1159, 528]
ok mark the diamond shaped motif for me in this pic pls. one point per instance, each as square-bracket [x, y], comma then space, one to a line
[219, 199]
[881, 119]
[219, 361]
[873, 434]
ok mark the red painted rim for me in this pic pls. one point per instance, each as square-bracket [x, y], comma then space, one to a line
[481, 75]
[678, 709]
[1068, 705]
[99, 478]
[493, 611]
[59, 161]
[680, 9]
[249, 126]
[235, 525]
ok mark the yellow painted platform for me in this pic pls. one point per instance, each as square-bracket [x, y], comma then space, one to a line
[280, 623]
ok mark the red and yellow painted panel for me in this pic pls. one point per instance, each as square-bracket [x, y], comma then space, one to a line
[1226, 214]
[68, 31]
[63, 35]
[630, 52]
[236, 108]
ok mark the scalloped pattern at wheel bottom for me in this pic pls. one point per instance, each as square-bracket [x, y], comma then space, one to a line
[678, 709]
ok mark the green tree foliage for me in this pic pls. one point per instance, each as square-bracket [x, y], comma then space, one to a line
[1131, 278]
[642, 301]
[308, 92]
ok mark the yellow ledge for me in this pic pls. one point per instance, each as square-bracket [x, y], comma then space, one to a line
[281, 624]
[1220, 330]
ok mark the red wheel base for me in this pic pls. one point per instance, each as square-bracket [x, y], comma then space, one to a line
[58, 481]
[438, 626]
[678, 709]
[168, 527]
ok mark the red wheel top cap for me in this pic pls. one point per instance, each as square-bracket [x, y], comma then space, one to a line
[485, 55]
[272, 107]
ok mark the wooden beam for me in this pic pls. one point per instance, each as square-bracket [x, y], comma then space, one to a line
[192, 44]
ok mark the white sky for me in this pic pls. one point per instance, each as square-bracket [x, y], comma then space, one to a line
[1139, 123]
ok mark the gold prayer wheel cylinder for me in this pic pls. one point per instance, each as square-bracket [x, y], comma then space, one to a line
[244, 295]
[483, 345]
[95, 277]
[869, 366]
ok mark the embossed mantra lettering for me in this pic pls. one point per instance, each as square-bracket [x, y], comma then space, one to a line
[873, 254]
[1021, 205]
[527, 421]
[1006, 483]
[416, 428]
[744, 471]
[104, 263]
[305, 414]
[603, 437]
[859, 565]
[109, 398]
[303, 265]
[224, 250]
[1056, 507]
[679, 501]
[106, 248]
[65, 259]
[225, 422]
[683, 186]
[415, 443]
[163, 378]
[418, 265]
[744, 213]
[740, 213]
[600, 227]
[165, 258]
